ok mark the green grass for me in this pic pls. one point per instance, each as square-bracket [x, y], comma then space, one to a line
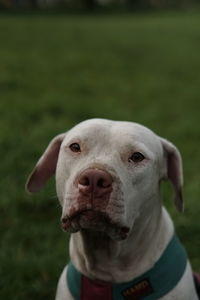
[57, 70]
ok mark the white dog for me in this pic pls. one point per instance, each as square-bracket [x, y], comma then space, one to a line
[123, 245]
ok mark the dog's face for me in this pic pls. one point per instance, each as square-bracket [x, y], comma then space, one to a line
[107, 173]
[121, 163]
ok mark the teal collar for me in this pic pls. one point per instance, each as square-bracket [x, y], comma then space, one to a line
[152, 285]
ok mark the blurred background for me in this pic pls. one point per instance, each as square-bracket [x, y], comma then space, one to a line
[94, 4]
[62, 62]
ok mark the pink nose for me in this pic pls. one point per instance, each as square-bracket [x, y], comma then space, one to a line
[95, 182]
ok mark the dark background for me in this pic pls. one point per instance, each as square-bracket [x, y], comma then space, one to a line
[59, 67]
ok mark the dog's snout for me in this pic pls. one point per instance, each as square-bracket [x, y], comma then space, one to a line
[95, 181]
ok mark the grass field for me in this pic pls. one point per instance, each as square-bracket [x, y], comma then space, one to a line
[57, 70]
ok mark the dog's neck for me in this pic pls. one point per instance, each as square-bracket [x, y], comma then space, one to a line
[98, 256]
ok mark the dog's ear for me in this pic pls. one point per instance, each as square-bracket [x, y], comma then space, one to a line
[46, 166]
[174, 171]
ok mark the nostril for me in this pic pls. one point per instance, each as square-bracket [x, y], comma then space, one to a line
[84, 180]
[100, 182]
[103, 183]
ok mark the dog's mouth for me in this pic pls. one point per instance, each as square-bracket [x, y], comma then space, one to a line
[94, 221]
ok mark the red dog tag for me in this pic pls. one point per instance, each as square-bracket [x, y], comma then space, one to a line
[95, 290]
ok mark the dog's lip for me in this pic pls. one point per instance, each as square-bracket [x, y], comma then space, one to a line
[74, 215]
[90, 214]
[69, 223]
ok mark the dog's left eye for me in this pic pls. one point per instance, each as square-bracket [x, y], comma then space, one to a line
[75, 147]
[136, 157]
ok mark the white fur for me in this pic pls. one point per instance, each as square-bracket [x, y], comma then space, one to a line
[108, 145]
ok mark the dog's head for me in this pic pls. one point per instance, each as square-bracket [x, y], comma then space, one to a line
[107, 173]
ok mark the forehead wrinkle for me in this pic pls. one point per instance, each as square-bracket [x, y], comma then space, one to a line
[96, 134]
[132, 146]
[133, 133]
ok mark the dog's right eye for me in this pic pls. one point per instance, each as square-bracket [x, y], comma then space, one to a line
[136, 157]
[75, 147]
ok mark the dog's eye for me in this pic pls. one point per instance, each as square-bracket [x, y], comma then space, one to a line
[136, 157]
[75, 147]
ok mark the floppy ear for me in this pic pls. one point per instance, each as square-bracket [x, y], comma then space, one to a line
[174, 171]
[46, 166]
